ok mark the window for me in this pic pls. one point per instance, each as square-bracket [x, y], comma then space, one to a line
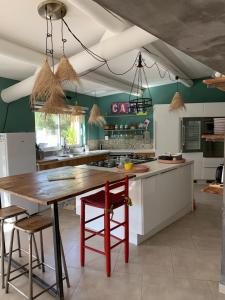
[52, 131]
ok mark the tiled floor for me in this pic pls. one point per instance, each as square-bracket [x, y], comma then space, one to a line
[181, 262]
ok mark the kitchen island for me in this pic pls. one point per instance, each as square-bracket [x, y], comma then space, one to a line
[160, 196]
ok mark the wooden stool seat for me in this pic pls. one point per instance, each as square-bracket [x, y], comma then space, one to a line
[11, 211]
[33, 224]
[98, 200]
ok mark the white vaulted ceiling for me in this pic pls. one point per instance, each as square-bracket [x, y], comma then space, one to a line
[22, 47]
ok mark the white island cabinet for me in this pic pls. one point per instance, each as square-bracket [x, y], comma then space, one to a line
[160, 197]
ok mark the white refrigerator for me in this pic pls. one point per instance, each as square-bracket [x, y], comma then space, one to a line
[17, 156]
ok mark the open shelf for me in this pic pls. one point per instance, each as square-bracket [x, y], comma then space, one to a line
[218, 82]
[213, 137]
[124, 115]
[216, 189]
[129, 129]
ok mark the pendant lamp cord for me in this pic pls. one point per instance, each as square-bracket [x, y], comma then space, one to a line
[49, 50]
[62, 35]
[52, 46]
[6, 117]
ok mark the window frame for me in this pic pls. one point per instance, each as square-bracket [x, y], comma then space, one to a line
[59, 135]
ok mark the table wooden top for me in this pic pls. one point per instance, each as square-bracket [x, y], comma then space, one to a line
[216, 189]
[36, 187]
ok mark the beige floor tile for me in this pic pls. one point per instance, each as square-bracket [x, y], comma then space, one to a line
[195, 264]
[144, 259]
[214, 288]
[211, 244]
[95, 285]
[176, 289]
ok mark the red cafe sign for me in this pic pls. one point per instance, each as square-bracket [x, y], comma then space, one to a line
[120, 108]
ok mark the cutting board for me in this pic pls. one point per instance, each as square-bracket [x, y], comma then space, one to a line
[135, 169]
[164, 161]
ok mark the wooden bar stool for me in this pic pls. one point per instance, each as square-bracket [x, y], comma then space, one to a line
[31, 226]
[12, 211]
[108, 201]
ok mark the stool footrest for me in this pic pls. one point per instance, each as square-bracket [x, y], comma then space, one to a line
[120, 242]
[95, 218]
[18, 290]
[95, 250]
[94, 233]
[118, 225]
[24, 272]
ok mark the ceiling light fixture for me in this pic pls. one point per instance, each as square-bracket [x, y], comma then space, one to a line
[177, 101]
[143, 99]
[48, 88]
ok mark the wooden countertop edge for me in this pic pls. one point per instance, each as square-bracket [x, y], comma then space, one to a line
[63, 197]
[42, 162]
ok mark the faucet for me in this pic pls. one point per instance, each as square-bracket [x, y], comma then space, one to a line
[66, 149]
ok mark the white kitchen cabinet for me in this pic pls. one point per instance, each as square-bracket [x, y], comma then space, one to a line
[197, 157]
[165, 195]
[167, 132]
[209, 165]
[193, 110]
[214, 109]
[151, 204]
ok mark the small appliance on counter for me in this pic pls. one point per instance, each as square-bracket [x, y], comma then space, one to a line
[219, 174]
[169, 158]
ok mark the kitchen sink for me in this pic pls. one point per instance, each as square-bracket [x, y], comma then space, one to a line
[70, 155]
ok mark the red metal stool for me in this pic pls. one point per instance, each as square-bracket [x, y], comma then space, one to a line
[107, 201]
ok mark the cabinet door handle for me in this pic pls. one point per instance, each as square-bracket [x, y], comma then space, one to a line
[183, 135]
[155, 123]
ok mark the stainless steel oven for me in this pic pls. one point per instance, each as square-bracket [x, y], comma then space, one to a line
[191, 130]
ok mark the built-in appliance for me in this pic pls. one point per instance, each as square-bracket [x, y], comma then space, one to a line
[220, 174]
[192, 130]
[17, 156]
[113, 160]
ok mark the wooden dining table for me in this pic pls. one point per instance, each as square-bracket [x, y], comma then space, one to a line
[52, 187]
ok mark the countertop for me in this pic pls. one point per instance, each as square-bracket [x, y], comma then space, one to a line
[155, 168]
[76, 155]
[131, 150]
[93, 153]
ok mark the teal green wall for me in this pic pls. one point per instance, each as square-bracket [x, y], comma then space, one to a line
[162, 94]
[197, 93]
[19, 118]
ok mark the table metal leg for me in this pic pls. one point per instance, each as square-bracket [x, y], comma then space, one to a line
[57, 251]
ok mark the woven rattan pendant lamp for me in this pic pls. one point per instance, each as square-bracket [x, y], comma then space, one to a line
[177, 102]
[47, 88]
